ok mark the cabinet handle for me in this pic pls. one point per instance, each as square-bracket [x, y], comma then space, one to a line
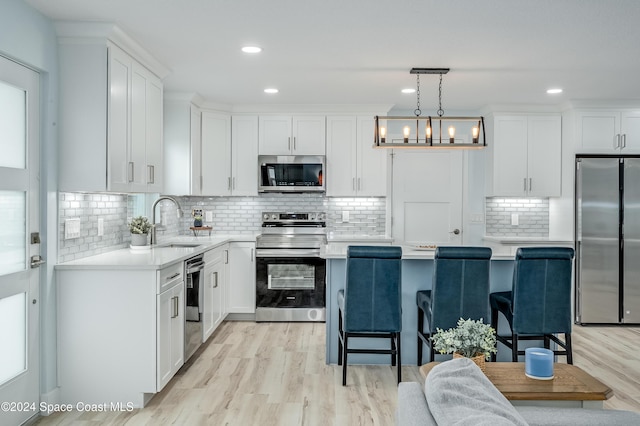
[617, 142]
[151, 178]
[229, 183]
[624, 140]
[252, 255]
[176, 275]
[174, 309]
[130, 172]
[530, 184]
[525, 184]
[294, 143]
[289, 142]
[353, 184]
[215, 279]
[226, 256]
[359, 187]
[233, 185]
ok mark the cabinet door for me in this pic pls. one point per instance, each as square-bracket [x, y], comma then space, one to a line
[196, 151]
[275, 135]
[154, 142]
[241, 283]
[170, 334]
[308, 135]
[630, 128]
[244, 155]
[137, 160]
[341, 156]
[371, 163]
[216, 154]
[214, 301]
[120, 172]
[544, 155]
[510, 156]
[597, 131]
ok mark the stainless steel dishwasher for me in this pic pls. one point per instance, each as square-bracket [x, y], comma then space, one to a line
[194, 299]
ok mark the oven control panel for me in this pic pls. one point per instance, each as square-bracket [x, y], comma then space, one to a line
[272, 218]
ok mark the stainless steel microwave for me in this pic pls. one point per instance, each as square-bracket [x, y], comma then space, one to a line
[291, 173]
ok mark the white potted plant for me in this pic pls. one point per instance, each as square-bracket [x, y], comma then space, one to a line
[139, 228]
[470, 339]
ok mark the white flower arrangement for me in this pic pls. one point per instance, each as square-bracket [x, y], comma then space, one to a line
[139, 225]
[470, 338]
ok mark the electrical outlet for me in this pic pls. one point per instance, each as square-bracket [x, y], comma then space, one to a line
[196, 212]
[208, 216]
[477, 218]
[100, 227]
[515, 219]
[345, 216]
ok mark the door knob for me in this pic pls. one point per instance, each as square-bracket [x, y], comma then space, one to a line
[455, 231]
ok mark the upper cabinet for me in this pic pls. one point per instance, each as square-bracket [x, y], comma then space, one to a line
[525, 156]
[354, 167]
[229, 155]
[292, 135]
[182, 126]
[608, 131]
[110, 114]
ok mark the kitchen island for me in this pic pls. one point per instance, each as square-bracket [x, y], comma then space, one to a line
[417, 273]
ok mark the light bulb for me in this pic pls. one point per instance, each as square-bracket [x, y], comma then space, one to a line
[383, 134]
[406, 131]
[452, 134]
[474, 134]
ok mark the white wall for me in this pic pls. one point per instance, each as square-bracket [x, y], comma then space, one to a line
[28, 37]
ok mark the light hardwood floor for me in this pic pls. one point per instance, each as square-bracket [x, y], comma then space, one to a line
[275, 374]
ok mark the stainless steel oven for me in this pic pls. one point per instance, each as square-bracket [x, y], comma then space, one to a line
[290, 275]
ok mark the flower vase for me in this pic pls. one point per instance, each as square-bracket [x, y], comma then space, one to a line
[478, 359]
[139, 239]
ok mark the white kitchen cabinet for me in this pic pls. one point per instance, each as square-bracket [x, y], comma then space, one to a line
[215, 284]
[354, 168]
[608, 132]
[182, 147]
[241, 283]
[110, 120]
[170, 340]
[525, 155]
[120, 332]
[229, 155]
[292, 135]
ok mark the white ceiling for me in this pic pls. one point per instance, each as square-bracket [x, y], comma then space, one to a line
[361, 51]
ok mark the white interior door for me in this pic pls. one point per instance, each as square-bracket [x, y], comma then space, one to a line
[427, 197]
[19, 217]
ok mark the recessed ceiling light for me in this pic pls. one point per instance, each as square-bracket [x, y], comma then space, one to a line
[408, 90]
[251, 49]
[270, 90]
[554, 91]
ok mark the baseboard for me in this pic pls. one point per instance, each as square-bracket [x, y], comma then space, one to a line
[49, 399]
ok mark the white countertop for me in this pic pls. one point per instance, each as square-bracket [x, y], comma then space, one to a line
[526, 240]
[339, 251]
[156, 257]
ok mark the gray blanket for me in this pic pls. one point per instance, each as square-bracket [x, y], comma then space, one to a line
[459, 393]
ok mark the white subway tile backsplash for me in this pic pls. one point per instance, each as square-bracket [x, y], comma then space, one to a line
[533, 217]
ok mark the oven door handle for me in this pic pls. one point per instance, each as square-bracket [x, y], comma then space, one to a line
[287, 253]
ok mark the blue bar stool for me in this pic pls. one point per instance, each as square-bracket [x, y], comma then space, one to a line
[539, 304]
[370, 304]
[460, 289]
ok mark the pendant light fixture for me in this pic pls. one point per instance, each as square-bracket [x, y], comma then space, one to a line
[427, 131]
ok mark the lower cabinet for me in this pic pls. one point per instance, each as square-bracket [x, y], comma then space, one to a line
[120, 333]
[215, 307]
[170, 339]
[242, 278]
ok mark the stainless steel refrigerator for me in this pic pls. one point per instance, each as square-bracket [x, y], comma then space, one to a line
[607, 234]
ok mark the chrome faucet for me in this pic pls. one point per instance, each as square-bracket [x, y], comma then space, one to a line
[154, 238]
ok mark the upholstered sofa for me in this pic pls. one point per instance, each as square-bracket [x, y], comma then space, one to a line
[456, 392]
